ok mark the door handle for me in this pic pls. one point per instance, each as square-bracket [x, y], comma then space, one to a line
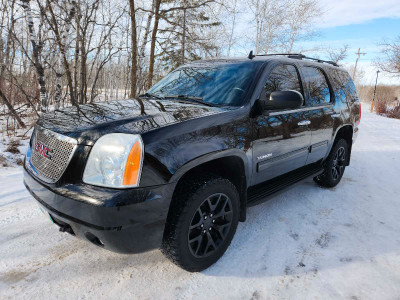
[304, 123]
[335, 115]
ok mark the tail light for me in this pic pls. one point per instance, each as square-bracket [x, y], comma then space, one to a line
[359, 113]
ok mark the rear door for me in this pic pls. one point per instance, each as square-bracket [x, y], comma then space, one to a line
[319, 98]
[282, 137]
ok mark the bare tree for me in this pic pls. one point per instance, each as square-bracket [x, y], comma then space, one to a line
[36, 54]
[232, 29]
[269, 16]
[390, 62]
[84, 51]
[299, 21]
[338, 55]
[134, 48]
[61, 62]
[153, 42]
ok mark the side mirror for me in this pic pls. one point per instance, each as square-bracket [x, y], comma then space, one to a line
[283, 100]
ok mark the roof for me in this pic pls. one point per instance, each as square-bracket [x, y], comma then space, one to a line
[271, 57]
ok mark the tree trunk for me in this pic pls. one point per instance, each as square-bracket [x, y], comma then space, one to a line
[62, 50]
[233, 29]
[76, 54]
[141, 54]
[147, 31]
[60, 71]
[183, 34]
[83, 84]
[35, 49]
[11, 109]
[153, 44]
[134, 49]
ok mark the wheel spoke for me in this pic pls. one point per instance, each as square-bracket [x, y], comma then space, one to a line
[334, 173]
[200, 219]
[213, 206]
[223, 214]
[220, 229]
[210, 225]
[210, 242]
[197, 239]
[341, 169]
[338, 163]
[222, 210]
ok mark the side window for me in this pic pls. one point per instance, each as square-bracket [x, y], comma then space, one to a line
[282, 78]
[345, 89]
[317, 86]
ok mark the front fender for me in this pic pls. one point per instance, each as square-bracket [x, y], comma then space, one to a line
[210, 157]
[172, 151]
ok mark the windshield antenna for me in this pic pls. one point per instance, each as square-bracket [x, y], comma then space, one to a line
[251, 55]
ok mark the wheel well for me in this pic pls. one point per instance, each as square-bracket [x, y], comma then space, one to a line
[346, 133]
[230, 167]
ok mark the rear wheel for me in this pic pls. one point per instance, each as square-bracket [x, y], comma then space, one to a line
[335, 165]
[203, 223]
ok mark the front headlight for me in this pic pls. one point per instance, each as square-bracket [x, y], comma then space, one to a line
[115, 161]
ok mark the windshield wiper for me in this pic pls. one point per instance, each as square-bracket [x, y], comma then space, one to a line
[150, 95]
[191, 99]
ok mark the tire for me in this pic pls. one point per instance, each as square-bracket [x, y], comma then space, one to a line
[202, 223]
[334, 165]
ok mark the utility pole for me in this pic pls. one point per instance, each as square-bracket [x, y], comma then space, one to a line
[373, 99]
[355, 66]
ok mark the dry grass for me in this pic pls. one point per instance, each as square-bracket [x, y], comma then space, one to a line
[386, 102]
[394, 113]
[3, 161]
[381, 107]
[20, 161]
[13, 147]
[383, 92]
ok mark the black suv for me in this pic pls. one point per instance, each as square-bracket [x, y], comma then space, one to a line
[177, 166]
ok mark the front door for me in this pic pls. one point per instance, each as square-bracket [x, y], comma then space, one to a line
[282, 138]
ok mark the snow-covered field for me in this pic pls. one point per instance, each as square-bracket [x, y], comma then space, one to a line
[309, 242]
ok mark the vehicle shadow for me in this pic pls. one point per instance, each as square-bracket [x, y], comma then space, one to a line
[308, 229]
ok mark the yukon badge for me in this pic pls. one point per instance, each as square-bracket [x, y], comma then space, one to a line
[43, 150]
[264, 156]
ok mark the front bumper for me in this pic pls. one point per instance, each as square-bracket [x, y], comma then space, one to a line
[124, 221]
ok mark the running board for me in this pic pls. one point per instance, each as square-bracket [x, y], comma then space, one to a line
[263, 192]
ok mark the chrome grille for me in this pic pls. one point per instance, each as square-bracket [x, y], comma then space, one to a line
[61, 149]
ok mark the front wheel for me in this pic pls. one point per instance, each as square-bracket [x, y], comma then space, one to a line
[335, 165]
[203, 224]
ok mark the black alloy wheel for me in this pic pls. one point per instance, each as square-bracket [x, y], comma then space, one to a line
[334, 165]
[201, 223]
[339, 162]
[210, 224]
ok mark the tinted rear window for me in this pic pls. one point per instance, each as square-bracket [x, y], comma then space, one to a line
[343, 85]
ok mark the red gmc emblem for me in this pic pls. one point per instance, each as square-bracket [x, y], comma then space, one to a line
[43, 150]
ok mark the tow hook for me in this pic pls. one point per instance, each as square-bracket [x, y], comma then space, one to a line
[66, 228]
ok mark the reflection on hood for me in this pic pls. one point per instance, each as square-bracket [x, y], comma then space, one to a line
[138, 115]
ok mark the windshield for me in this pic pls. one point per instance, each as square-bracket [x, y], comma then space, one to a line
[221, 84]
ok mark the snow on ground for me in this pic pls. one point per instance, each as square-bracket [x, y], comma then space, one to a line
[12, 151]
[309, 242]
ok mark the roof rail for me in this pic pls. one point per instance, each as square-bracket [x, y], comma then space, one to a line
[301, 56]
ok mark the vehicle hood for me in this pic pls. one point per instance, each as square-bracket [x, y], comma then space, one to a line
[91, 121]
